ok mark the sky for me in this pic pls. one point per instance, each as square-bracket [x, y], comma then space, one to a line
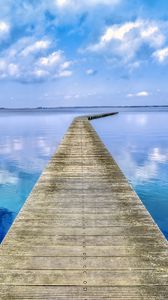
[83, 52]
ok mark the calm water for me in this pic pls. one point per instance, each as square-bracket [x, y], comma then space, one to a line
[139, 144]
[27, 141]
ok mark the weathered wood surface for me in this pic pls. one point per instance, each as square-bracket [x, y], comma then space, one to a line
[83, 233]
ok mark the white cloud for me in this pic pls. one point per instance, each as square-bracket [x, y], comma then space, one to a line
[40, 74]
[153, 35]
[76, 4]
[117, 32]
[36, 47]
[8, 69]
[2, 65]
[56, 64]
[90, 72]
[13, 70]
[4, 29]
[51, 60]
[139, 94]
[65, 73]
[62, 3]
[29, 60]
[142, 94]
[161, 55]
[125, 40]
[66, 64]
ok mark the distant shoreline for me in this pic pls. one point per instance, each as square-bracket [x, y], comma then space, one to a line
[80, 107]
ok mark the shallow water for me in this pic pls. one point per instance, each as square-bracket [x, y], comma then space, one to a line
[139, 144]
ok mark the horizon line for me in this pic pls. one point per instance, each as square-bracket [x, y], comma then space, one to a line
[93, 106]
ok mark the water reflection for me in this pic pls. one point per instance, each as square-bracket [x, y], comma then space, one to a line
[27, 141]
[6, 219]
[139, 143]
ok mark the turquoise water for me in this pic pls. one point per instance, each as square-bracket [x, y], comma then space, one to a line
[139, 144]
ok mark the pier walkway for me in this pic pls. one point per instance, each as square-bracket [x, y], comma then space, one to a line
[83, 233]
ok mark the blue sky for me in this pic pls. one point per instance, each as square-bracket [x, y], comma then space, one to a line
[83, 52]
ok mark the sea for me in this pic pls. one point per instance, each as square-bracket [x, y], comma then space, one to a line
[137, 138]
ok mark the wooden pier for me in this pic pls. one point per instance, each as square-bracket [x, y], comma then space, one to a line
[83, 233]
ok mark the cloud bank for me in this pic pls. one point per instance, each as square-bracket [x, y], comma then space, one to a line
[125, 41]
[30, 61]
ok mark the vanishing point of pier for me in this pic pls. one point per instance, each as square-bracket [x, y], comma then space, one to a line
[83, 233]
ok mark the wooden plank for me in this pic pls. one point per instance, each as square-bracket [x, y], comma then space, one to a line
[83, 233]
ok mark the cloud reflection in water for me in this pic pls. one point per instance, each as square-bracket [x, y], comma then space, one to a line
[139, 144]
[27, 141]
